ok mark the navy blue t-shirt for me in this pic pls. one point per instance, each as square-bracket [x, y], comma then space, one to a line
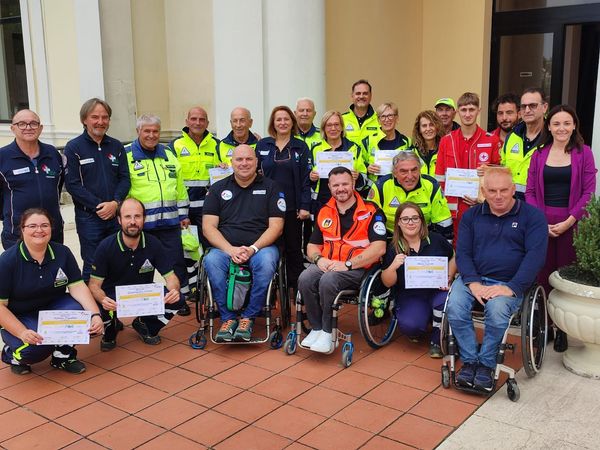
[28, 286]
[118, 265]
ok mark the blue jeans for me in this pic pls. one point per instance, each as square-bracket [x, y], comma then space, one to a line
[497, 316]
[91, 230]
[262, 266]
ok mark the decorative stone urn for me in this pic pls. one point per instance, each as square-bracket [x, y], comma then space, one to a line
[575, 309]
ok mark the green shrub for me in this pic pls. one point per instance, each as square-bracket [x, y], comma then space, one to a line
[586, 242]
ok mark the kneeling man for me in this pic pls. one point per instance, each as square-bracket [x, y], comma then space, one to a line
[349, 237]
[130, 257]
[501, 248]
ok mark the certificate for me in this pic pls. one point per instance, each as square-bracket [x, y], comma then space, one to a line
[140, 300]
[64, 327]
[426, 272]
[216, 173]
[328, 160]
[461, 182]
[383, 158]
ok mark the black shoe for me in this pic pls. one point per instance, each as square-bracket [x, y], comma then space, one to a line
[550, 334]
[484, 379]
[184, 310]
[466, 375]
[106, 345]
[119, 325]
[145, 335]
[560, 341]
[68, 365]
[20, 369]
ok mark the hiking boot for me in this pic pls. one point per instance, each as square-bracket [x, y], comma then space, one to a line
[466, 375]
[20, 369]
[225, 333]
[484, 379]
[71, 365]
[435, 351]
[142, 330]
[244, 330]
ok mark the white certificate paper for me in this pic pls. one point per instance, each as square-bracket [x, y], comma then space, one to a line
[64, 327]
[140, 300]
[461, 182]
[216, 173]
[328, 160]
[383, 158]
[426, 272]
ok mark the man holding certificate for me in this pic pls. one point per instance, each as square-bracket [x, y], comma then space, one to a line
[127, 260]
[501, 248]
[467, 149]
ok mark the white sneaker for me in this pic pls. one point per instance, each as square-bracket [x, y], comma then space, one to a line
[311, 338]
[323, 343]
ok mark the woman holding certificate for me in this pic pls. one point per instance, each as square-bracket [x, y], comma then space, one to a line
[334, 140]
[427, 133]
[415, 307]
[35, 276]
[560, 182]
[287, 160]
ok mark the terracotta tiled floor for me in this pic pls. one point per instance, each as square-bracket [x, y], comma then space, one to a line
[233, 397]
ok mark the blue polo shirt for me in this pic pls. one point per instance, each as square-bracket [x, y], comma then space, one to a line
[118, 265]
[434, 245]
[27, 183]
[26, 286]
[96, 173]
[509, 248]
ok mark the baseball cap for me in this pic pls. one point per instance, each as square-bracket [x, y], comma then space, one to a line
[446, 101]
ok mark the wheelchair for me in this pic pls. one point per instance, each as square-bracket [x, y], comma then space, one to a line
[377, 322]
[532, 322]
[207, 311]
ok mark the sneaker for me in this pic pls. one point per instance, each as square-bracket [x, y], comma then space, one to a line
[20, 369]
[435, 351]
[68, 365]
[244, 330]
[184, 310]
[311, 338]
[225, 334]
[484, 379]
[466, 375]
[107, 345]
[142, 330]
[323, 343]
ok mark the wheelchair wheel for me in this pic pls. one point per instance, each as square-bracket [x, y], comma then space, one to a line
[512, 389]
[284, 299]
[201, 294]
[444, 332]
[445, 376]
[376, 311]
[347, 352]
[197, 340]
[290, 343]
[276, 339]
[534, 330]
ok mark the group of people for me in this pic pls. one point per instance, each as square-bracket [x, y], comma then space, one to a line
[132, 202]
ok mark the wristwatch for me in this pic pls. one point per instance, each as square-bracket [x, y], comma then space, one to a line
[317, 258]
[255, 248]
[348, 264]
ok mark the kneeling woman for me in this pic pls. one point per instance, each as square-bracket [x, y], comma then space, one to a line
[415, 307]
[35, 275]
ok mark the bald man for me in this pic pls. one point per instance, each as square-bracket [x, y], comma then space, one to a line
[32, 176]
[241, 122]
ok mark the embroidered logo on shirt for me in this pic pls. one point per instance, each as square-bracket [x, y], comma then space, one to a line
[61, 278]
[395, 202]
[515, 148]
[113, 159]
[138, 165]
[226, 195]
[483, 157]
[379, 228]
[48, 171]
[281, 204]
[184, 152]
[349, 127]
[326, 223]
[515, 224]
[146, 267]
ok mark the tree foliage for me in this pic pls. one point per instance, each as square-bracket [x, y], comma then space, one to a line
[587, 241]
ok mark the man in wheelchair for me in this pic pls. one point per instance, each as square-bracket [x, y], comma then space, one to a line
[243, 217]
[501, 247]
[349, 237]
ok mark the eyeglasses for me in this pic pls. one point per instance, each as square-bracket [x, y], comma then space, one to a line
[333, 126]
[407, 220]
[387, 116]
[23, 125]
[531, 106]
[35, 226]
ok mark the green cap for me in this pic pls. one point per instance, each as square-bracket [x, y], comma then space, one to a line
[446, 101]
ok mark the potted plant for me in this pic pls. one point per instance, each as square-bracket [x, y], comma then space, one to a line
[574, 303]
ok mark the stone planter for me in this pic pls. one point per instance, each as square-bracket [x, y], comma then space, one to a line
[575, 309]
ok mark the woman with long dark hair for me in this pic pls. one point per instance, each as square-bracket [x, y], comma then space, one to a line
[427, 133]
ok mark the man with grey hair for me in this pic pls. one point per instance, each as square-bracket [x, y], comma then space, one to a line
[305, 113]
[157, 181]
[241, 122]
[97, 178]
[406, 183]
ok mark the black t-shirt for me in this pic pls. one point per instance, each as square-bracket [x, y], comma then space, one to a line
[29, 287]
[244, 212]
[118, 265]
[434, 245]
[398, 141]
[347, 220]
